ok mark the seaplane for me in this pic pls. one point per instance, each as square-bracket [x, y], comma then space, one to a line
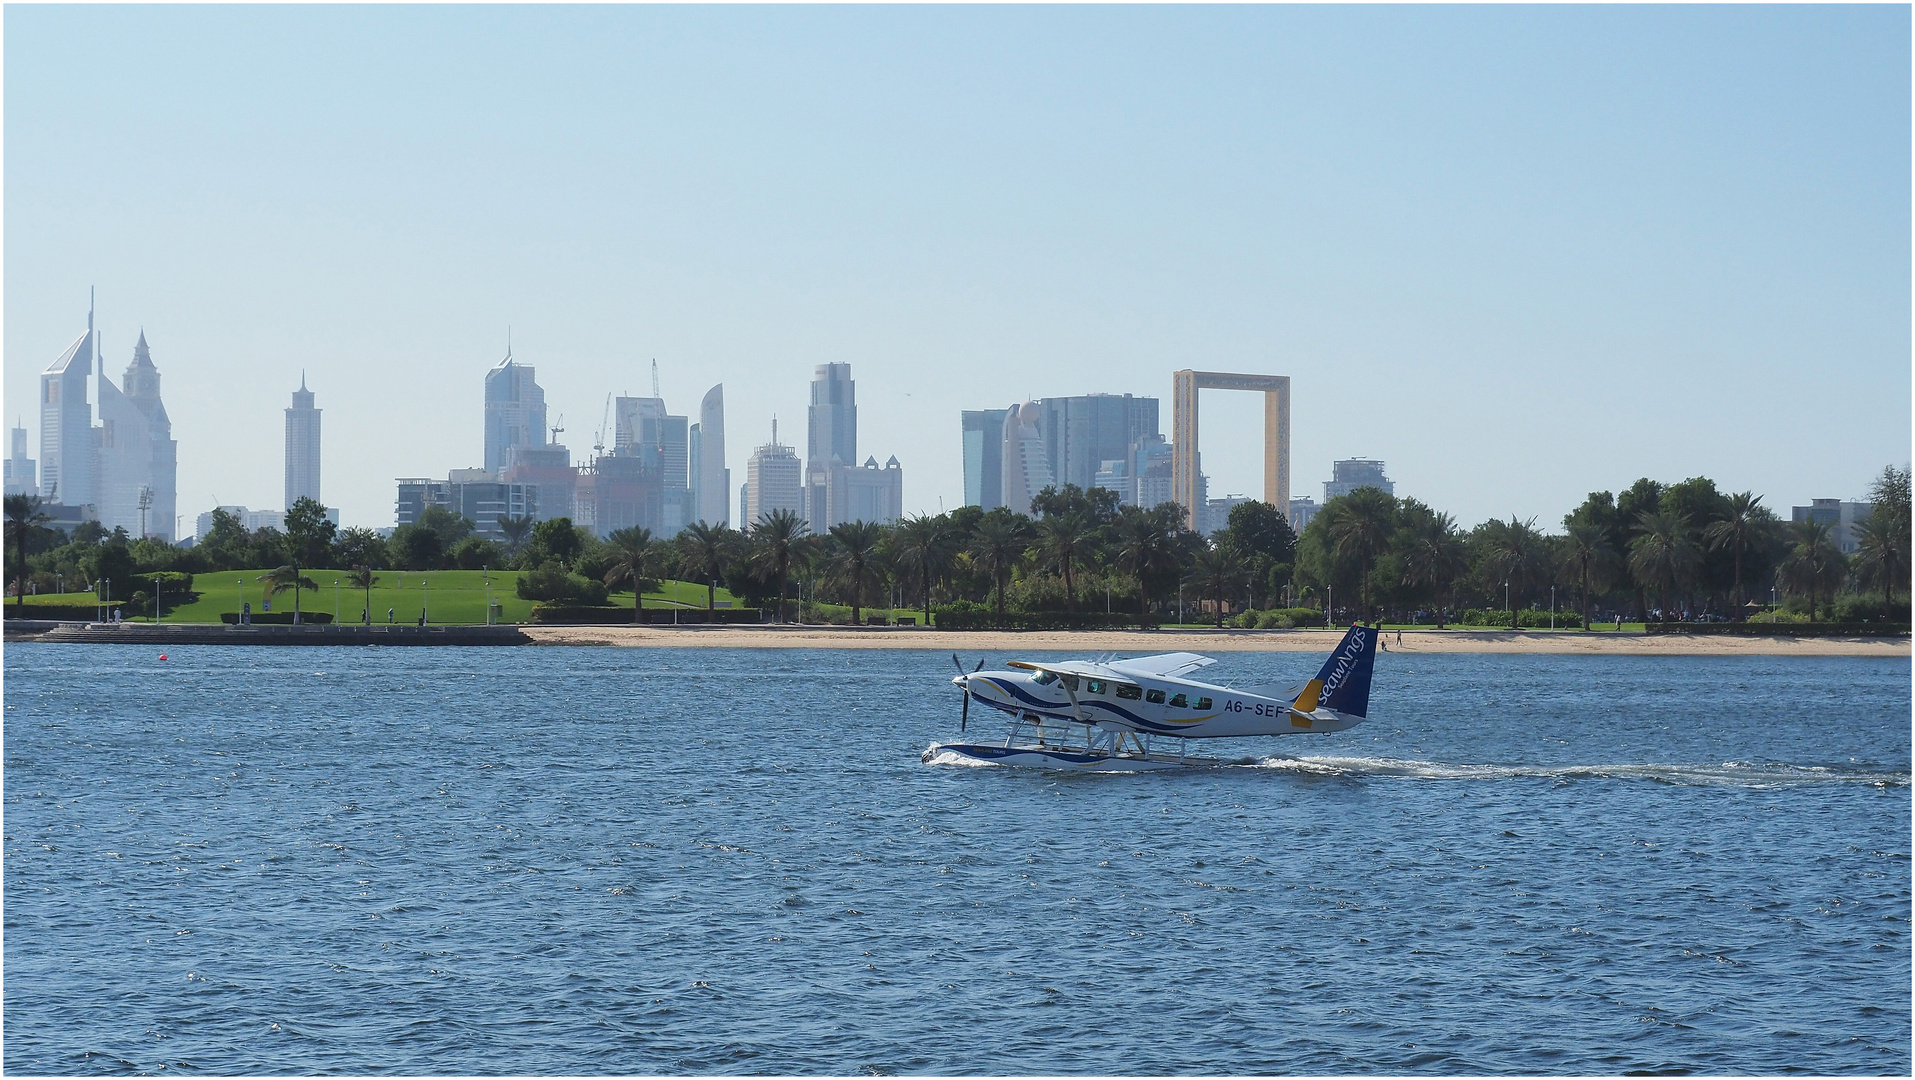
[1140, 714]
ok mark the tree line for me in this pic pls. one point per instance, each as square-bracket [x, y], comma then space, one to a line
[1651, 551]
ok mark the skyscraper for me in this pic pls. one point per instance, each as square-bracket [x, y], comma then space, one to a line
[22, 473]
[833, 416]
[514, 410]
[984, 458]
[831, 438]
[302, 447]
[1082, 432]
[1027, 470]
[66, 425]
[711, 477]
[774, 480]
[137, 461]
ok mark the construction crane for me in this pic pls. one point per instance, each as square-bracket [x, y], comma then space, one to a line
[558, 427]
[598, 439]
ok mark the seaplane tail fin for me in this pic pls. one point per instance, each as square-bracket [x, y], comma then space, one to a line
[1345, 678]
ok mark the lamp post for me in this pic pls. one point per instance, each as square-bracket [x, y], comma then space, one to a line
[488, 594]
[1509, 605]
[239, 592]
[1552, 607]
[425, 600]
[335, 601]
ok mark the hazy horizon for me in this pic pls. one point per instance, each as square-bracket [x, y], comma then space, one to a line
[1519, 254]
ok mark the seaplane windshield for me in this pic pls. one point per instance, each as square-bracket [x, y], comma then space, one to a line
[1044, 678]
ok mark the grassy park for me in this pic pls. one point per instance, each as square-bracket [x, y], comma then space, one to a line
[451, 596]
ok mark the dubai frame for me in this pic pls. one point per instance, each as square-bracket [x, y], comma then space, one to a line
[1276, 435]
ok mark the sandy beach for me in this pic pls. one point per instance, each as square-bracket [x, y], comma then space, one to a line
[1201, 641]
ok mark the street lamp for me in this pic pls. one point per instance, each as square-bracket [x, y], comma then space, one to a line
[1552, 607]
[1509, 605]
[335, 601]
[239, 592]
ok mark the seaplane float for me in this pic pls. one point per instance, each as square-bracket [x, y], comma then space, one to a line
[1139, 714]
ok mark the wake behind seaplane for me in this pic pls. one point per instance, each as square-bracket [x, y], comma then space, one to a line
[1114, 715]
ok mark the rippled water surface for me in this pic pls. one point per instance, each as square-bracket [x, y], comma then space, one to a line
[695, 861]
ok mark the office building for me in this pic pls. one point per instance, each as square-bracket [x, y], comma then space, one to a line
[1301, 511]
[137, 460]
[1081, 433]
[1215, 517]
[548, 475]
[514, 411]
[66, 425]
[709, 475]
[1841, 517]
[1346, 476]
[1027, 468]
[774, 480]
[984, 458]
[860, 493]
[250, 520]
[22, 473]
[831, 438]
[832, 430]
[302, 447]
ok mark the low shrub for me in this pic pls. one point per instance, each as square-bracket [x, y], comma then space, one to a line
[961, 616]
[1528, 618]
[550, 582]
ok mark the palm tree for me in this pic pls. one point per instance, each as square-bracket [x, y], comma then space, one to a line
[925, 546]
[1587, 547]
[24, 521]
[362, 577]
[516, 531]
[1000, 542]
[1813, 565]
[1735, 531]
[1514, 555]
[855, 561]
[1362, 531]
[706, 548]
[1881, 555]
[633, 553]
[779, 537]
[1663, 554]
[1218, 567]
[1062, 539]
[1143, 547]
[287, 577]
[1433, 555]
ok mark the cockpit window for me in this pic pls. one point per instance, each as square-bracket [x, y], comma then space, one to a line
[1129, 692]
[1045, 678]
[1155, 697]
[1071, 681]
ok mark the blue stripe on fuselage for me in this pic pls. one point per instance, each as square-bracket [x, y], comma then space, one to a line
[1155, 727]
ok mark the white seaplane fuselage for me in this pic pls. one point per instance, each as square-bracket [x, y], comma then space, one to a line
[1116, 715]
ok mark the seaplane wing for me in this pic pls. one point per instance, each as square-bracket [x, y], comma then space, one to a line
[1162, 665]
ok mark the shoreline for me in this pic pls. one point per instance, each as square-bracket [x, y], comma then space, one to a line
[1595, 643]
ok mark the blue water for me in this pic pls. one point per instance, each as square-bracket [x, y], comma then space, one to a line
[552, 860]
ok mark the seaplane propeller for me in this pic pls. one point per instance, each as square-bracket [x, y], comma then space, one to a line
[964, 716]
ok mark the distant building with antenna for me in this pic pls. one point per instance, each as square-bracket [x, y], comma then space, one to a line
[774, 480]
[22, 472]
[302, 447]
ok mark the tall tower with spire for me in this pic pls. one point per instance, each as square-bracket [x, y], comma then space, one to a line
[302, 447]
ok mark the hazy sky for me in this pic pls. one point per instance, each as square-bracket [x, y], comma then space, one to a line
[1517, 253]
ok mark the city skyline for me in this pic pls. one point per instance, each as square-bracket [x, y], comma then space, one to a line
[1625, 241]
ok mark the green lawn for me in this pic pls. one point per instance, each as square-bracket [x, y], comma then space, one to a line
[454, 596]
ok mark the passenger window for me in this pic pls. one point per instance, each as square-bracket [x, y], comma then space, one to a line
[1129, 692]
[1203, 703]
[1155, 697]
[1097, 686]
[1180, 702]
[1045, 678]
